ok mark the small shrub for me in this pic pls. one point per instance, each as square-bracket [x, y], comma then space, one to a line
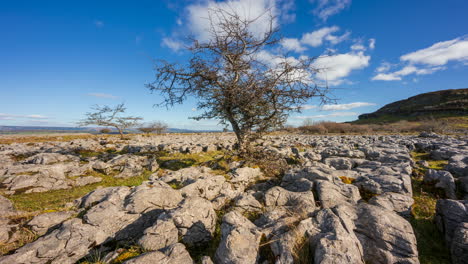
[105, 131]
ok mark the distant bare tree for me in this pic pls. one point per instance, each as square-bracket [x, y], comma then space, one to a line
[233, 81]
[110, 117]
[308, 122]
[157, 126]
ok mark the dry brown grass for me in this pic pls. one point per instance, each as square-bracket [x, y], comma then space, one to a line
[402, 126]
[22, 236]
[10, 139]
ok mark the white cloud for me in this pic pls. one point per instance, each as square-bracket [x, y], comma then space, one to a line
[386, 77]
[292, 44]
[371, 43]
[358, 47]
[407, 70]
[327, 8]
[174, 45]
[334, 107]
[36, 116]
[314, 39]
[4, 116]
[103, 95]
[318, 37]
[440, 53]
[199, 23]
[384, 67]
[336, 114]
[307, 107]
[335, 67]
[427, 61]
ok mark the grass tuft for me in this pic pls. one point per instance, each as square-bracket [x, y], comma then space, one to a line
[431, 246]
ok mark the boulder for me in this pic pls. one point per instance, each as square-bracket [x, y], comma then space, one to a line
[239, 240]
[65, 245]
[152, 195]
[195, 219]
[458, 165]
[162, 234]
[49, 158]
[115, 195]
[459, 248]
[44, 222]
[242, 177]
[174, 254]
[399, 203]
[335, 243]
[339, 163]
[299, 201]
[6, 207]
[332, 194]
[449, 215]
[385, 236]
[443, 180]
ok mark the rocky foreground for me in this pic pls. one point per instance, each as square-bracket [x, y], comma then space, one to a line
[342, 199]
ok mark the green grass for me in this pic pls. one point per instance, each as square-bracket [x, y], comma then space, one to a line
[177, 161]
[57, 199]
[431, 245]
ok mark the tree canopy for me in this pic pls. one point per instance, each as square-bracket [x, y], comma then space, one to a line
[235, 78]
[110, 117]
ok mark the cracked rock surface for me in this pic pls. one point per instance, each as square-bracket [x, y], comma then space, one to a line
[347, 200]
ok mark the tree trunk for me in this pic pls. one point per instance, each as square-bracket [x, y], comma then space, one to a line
[120, 132]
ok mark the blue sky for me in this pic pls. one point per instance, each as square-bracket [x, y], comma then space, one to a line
[58, 58]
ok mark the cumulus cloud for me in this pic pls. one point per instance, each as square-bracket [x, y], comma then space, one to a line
[335, 67]
[327, 8]
[427, 61]
[173, 44]
[318, 37]
[440, 53]
[103, 95]
[335, 114]
[315, 39]
[199, 23]
[292, 44]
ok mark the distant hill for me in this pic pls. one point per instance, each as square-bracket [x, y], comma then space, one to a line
[440, 103]
[92, 130]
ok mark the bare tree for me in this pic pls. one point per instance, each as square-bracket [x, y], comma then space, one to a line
[233, 81]
[110, 117]
[157, 126]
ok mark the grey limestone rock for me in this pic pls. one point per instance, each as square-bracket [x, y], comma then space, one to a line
[239, 240]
